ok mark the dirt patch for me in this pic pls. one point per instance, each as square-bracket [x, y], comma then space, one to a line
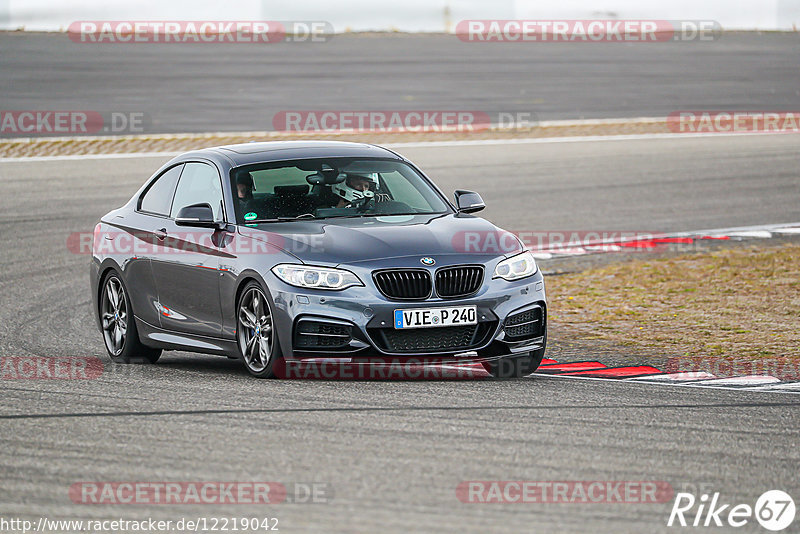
[741, 302]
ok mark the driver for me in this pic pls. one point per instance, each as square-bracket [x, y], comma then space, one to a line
[357, 188]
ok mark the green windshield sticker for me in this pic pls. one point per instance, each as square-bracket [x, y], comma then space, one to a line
[249, 216]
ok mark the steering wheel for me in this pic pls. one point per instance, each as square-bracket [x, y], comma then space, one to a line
[362, 204]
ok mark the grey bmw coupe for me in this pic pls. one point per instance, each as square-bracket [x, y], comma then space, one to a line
[270, 252]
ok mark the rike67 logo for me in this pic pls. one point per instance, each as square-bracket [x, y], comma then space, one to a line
[774, 510]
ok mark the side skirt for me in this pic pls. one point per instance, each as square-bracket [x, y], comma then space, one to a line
[156, 337]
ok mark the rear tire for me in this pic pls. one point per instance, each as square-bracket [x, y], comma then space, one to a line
[119, 325]
[515, 366]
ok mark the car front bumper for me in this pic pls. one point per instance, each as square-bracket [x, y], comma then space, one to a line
[358, 323]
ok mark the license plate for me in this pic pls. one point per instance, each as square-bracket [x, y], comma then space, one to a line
[432, 317]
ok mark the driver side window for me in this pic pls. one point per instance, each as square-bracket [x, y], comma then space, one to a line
[401, 189]
[199, 183]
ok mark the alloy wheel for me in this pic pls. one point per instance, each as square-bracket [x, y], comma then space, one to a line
[255, 330]
[114, 316]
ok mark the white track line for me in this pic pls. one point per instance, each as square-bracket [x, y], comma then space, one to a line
[735, 229]
[778, 387]
[573, 139]
[751, 380]
[762, 389]
[676, 377]
[763, 234]
[758, 384]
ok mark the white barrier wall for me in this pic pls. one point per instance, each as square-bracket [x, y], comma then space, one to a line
[731, 14]
[408, 15]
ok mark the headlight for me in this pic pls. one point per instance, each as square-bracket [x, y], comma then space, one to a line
[516, 267]
[316, 277]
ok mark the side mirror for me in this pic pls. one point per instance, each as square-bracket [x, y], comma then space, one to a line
[468, 201]
[198, 215]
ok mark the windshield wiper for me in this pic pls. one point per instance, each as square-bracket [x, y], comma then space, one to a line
[276, 219]
[354, 216]
[373, 215]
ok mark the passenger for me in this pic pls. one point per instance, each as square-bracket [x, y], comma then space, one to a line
[244, 188]
[244, 195]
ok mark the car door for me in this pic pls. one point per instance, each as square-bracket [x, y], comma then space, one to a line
[138, 238]
[187, 272]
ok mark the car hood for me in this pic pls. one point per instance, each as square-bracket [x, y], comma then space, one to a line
[363, 239]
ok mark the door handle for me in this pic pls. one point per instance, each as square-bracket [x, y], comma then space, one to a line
[160, 234]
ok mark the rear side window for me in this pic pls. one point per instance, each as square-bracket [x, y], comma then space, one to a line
[158, 197]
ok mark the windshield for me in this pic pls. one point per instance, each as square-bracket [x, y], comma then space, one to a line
[333, 187]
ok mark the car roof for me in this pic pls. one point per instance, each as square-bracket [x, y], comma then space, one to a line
[260, 152]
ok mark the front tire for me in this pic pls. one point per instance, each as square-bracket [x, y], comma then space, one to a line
[119, 326]
[255, 332]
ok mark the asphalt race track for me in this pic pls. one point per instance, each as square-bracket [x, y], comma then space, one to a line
[391, 453]
[239, 87]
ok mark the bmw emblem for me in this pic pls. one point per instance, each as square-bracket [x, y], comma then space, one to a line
[427, 261]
